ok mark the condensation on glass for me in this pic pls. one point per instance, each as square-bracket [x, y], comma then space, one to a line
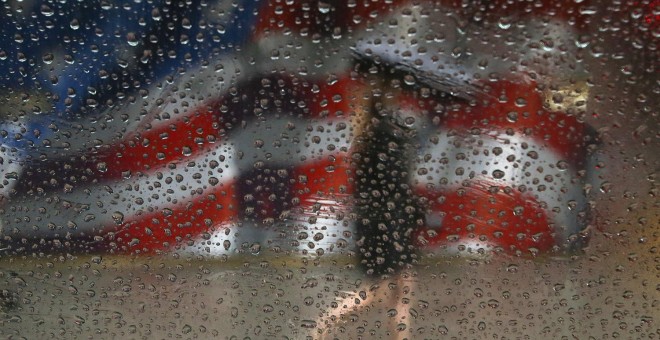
[329, 170]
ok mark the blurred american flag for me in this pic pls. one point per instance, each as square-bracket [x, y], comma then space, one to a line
[263, 134]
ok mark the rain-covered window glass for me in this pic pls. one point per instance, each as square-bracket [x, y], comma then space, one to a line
[257, 169]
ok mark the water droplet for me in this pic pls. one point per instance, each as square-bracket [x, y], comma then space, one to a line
[483, 63]
[562, 165]
[102, 166]
[518, 210]
[47, 11]
[47, 58]
[504, 23]
[512, 116]
[605, 187]
[155, 14]
[308, 324]
[324, 7]
[118, 217]
[132, 39]
[492, 303]
[498, 174]
[409, 79]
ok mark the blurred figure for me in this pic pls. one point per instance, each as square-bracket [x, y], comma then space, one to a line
[475, 143]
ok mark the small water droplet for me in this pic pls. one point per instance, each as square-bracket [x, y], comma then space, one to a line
[102, 166]
[118, 217]
[47, 58]
[324, 7]
[308, 324]
[498, 174]
[47, 11]
[512, 116]
[132, 39]
[409, 79]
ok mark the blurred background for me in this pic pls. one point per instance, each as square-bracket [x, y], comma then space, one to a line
[350, 170]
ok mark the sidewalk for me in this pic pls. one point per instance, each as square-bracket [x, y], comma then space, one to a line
[276, 296]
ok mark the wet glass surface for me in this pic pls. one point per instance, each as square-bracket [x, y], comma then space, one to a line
[321, 170]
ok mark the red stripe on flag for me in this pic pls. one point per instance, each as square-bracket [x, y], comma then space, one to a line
[167, 227]
[188, 134]
[329, 178]
[492, 216]
[517, 108]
